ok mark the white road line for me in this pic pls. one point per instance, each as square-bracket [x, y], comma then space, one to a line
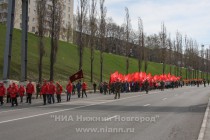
[164, 99]
[47, 113]
[42, 106]
[203, 126]
[147, 105]
[108, 119]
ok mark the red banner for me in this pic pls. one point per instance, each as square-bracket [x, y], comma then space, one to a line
[76, 76]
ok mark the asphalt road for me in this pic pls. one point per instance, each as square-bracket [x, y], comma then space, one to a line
[169, 115]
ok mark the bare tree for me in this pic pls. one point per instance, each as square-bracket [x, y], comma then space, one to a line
[69, 33]
[127, 35]
[170, 53]
[163, 38]
[102, 33]
[41, 17]
[140, 44]
[56, 17]
[93, 29]
[81, 17]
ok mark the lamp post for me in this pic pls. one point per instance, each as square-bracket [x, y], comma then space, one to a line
[9, 36]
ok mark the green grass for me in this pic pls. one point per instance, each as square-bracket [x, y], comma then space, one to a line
[67, 60]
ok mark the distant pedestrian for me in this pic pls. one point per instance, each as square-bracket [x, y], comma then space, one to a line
[8, 93]
[21, 92]
[117, 87]
[146, 86]
[44, 91]
[162, 85]
[13, 94]
[2, 93]
[51, 91]
[38, 89]
[204, 82]
[84, 88]
[69, 89]
[94, 87]
[29, 91]
[78, 86]
[59, 90]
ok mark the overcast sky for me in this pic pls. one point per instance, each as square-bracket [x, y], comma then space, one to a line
[191, 17]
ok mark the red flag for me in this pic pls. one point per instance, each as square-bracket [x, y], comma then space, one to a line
[76, 76]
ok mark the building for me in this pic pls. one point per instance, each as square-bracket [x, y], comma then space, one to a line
[32, 15]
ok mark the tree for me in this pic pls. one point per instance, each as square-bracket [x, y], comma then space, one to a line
[55, 27]
[69, 33]
[41, 14]
[102, 33]
[127, 35]
[93, 29]
[140, 44]
[163, 38]
[81, 17]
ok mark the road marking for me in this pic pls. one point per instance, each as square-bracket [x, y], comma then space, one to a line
[164, 99]
[147, 105]
[47, 113]
[108, 119]
[42, 106]
[203, 126]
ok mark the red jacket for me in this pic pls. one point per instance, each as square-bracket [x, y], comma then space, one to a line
[21, 91]
[30, 88]
[84, 86]
[59, 89]
[13, 92]
[52, 88]
[9, 89]
[69, 88]
[2, 90]
[44, 89]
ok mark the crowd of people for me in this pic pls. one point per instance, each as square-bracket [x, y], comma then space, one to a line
[47, 91]
[146, 85]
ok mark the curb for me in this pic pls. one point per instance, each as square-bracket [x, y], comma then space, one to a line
[203, 126]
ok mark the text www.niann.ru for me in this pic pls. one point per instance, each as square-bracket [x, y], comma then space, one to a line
[105, 130]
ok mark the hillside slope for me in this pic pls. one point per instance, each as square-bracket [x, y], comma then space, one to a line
[67, 60]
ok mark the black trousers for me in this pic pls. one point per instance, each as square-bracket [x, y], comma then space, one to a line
[117, 95]
[14, 101]
[58, 98]
[68, 96]
[1, 100]
[21, 99]
[29, 96]
[44, 98]
[84, 92]
[51, 97]
[8, 99]
[78, 92]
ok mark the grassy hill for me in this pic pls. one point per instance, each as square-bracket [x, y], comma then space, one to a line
[67, 60]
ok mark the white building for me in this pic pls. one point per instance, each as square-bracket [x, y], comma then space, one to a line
[32, 22]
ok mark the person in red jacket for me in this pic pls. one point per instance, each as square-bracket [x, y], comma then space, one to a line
[84, 88]
[8, 93]
[51, 91]
[44, 90]
[13, 94]
[29, 90]
[69, 89]
[21, 92]
[59, 90]
[2, 93]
